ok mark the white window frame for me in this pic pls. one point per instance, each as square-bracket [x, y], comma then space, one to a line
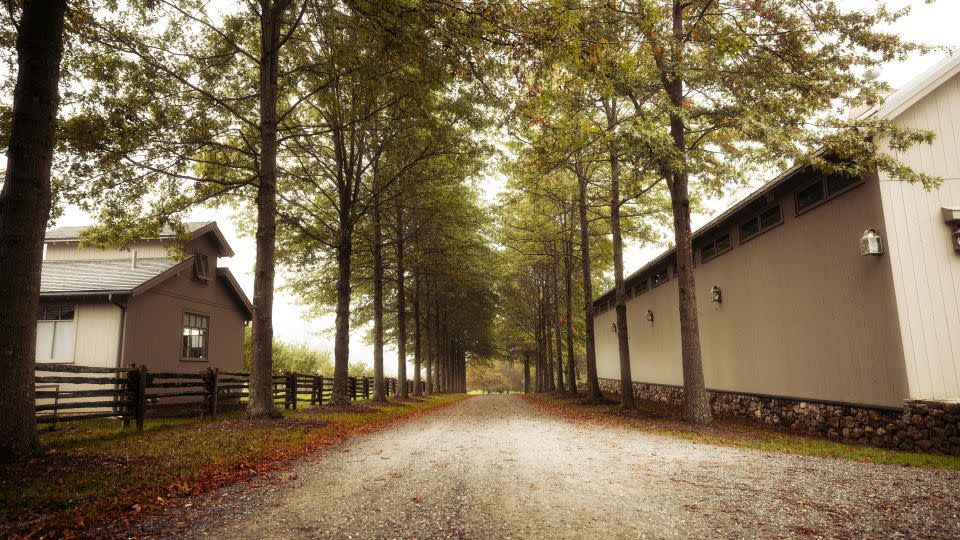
[47, 357]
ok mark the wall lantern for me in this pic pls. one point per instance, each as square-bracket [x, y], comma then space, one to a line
[951, 216]
[715, 295]
[650, 315]
[870, 243]
[613, 327]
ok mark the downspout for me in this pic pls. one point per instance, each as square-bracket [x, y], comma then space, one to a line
[123, 324]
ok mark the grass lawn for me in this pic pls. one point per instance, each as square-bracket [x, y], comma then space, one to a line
[93, 470]
[664, 419]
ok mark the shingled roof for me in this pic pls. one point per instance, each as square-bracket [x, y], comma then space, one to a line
[79, 278]
[99, 278]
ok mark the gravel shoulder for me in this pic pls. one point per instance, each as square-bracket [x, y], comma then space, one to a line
[495, 467]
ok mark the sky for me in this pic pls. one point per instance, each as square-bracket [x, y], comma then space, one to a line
[933, 24]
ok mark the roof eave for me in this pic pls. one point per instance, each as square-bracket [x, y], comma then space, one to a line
[227, 276]
[226, 250]
[706, 228]
[162, 276]
[84, 294]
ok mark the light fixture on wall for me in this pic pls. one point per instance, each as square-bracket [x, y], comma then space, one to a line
[716, 295]
[650, 315]
[613, 327]
[870, 243]
[952, 218]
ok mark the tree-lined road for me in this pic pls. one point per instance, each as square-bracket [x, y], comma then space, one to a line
[496, 467]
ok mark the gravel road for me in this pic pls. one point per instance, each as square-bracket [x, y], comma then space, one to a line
[495, 467]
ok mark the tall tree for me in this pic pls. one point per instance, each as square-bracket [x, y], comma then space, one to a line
[24, 211]
[271, 14]
[188, 114]
[725, 86]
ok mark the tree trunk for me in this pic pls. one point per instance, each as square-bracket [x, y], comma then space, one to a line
[539, 336]
[24, 212]
[433, 351]
[568, 289]
[623, 345]
[593, 384]
[444, 353]
[377, 251]
[401, 312]
[556, 324]
[416, 335]
[526, 372]
[551, 383]
[341, 346]
[261, 367]
[696, 401]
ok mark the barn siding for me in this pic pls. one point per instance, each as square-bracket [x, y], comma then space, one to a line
[926, 270]
[804, 315]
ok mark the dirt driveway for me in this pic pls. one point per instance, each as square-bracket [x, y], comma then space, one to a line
[494, 467]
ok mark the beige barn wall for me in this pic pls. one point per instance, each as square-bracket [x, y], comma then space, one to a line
[96, 341]
[98, 334]
[803, 314]
[72, 252]
[926, 269]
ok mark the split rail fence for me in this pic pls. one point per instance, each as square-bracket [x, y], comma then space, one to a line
[66, 392]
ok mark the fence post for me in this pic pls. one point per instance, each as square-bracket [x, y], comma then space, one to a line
[131, 394]
[366, 388]
[294, 388]
[213, 387]
[320, 390]
[141, 400]
[353, 387]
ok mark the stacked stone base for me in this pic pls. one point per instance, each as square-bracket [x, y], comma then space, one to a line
[923, 426]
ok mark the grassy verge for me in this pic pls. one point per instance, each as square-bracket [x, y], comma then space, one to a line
[94, 471]
[664, 419]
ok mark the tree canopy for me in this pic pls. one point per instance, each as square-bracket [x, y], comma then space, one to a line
[353, 139]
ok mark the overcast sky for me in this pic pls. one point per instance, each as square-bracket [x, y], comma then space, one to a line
[934, 24]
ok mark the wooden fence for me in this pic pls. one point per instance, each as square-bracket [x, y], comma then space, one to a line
[67, 392]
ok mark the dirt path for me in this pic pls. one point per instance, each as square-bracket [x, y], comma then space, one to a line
[494, 467]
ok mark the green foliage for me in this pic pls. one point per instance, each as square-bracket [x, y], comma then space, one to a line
[292, 357]
[360, 369]
[495, 376]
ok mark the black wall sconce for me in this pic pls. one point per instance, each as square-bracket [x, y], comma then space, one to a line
[650, 315]
[613, 327]
[716, 295]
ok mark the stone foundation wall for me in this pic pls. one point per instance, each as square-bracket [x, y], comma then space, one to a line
[923, 426]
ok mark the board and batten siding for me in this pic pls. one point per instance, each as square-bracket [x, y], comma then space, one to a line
[804, 315]
[96, 334]
[96, 338]
[146, 249]
[926, 269]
